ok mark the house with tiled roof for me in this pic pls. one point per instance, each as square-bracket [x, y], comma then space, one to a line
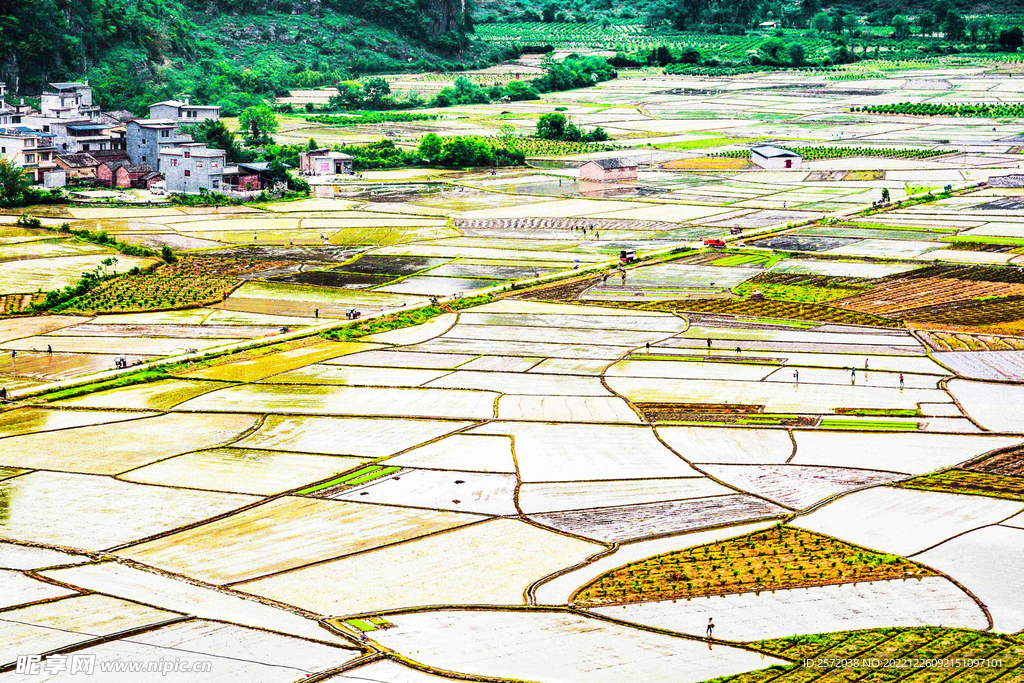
[608, 170]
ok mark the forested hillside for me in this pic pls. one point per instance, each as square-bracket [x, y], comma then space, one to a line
[224, 51]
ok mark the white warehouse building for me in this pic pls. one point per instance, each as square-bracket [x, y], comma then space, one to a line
[775, 158]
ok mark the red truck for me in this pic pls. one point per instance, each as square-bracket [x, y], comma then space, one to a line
[714, 242]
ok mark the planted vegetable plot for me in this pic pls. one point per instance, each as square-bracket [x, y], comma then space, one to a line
[774, 309]
[950, 341]
[965, 481]
[533, 147]
[813, 289]
[776, 558]
[185, 283]
[956, 654]
[940, 292]
[1009, 462]
[347, 481]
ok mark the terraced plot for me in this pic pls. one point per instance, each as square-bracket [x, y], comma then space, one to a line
[778, 558]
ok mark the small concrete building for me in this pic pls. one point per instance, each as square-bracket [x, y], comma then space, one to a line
[78, 166]
[146, 138]
[324, 161]
[55, 179]
[193, 168]
[608, 171]
[183, 112]
[775, 158]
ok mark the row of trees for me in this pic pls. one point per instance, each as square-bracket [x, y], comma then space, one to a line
[455, 151]
[572, 72]
[735, 16]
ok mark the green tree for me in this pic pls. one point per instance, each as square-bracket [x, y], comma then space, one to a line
[689, 55]
[900, 27]
[988, 28]
[430, 147]
[374, 91]
[955, 26]
[13, 183]
[215, 134]
[885, 195]
[1012, 39]
[662, 55]
[551, 126]
[258, 125]
[456, 151]
[350, 95]
[838, 22]
[927, 23]
[797, 54]
[821, 22]
[974, 29]
[771, 50]
[808, 8]
[518, 90]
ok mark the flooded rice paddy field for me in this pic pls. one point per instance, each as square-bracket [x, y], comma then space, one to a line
[546, 486]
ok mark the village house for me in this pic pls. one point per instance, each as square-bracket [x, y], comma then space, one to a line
[31, 150]
[109, 155]
[78, 166]
[251, 177]
[107, 170]
[775, 158]
[7, 113]
[147, 138]
[76, 135]
[183, 112]
[68, 101]
[324, 161]
[608, 170]
[193, 168]
[133, 175]
[82, 136]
